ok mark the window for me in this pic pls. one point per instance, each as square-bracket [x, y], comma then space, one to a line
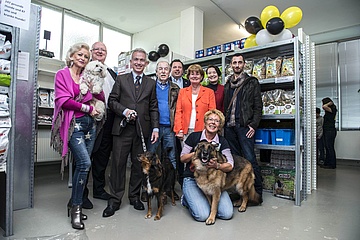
[116, 43]
[77, 30]
[51, 21]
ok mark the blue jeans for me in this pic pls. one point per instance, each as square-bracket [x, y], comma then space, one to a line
[167, 138]
[242, 146]
[81, 144]
[199, 206]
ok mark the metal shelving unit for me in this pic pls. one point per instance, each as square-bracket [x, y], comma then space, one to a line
[303, 82]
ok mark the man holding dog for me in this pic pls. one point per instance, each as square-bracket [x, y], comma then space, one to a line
[243, 107]
[133, 100]
[103, 142]
[167, 93]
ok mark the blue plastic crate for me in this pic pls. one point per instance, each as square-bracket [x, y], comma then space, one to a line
[262, 136]
[282, 136]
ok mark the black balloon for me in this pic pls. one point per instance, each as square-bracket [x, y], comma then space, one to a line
[163, 50]
[275, 25]
[153, 56]
[253, 25]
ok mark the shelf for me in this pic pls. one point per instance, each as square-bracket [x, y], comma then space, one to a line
[45, 124]
[275, 147]
[43, 107]
[278, 116]
[47, 72]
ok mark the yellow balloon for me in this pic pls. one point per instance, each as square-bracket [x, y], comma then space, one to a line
[268, 13]
[291, 16]
[250, 41]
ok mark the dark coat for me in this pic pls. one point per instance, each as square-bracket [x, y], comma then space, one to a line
[145, 104]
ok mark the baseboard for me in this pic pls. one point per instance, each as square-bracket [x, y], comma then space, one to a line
[347, 162]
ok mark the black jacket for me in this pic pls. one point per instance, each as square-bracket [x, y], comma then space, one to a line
[248, 100]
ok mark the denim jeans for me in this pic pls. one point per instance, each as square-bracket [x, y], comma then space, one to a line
[167, 140]
[242, 146]
[81, 144]
[329, 140]
[199, 206]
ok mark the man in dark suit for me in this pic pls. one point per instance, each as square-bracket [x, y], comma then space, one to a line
[133, 100]
[177, 71]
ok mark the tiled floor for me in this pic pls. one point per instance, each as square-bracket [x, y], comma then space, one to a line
[331, 212]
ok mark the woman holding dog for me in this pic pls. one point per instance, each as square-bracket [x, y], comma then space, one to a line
[193, 198]
[74, 126]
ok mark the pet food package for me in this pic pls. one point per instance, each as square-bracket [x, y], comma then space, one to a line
[5, 66]
[268, 177]
[44, 98]
[287, 67]
[273, 67]
[51, 98]
[259, 69]
[4, 106]
[284, 186]
[4, 142]
[248, 68]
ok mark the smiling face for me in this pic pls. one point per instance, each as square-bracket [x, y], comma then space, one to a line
[138, 62]
[80, 58]
[195, 78]
[177, 70]
[212, 76]
[99, 52]
[163, 71]
[212, 123]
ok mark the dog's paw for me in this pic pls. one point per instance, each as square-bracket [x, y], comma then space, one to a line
[147, 216]
[210, 221]
[83, 88]
[157, 217]
[242, 209]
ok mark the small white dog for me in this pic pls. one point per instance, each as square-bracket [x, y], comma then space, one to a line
[93, 80]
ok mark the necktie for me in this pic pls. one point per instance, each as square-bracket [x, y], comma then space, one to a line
[137, 85]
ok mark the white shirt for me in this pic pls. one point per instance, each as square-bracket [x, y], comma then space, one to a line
[107, 87]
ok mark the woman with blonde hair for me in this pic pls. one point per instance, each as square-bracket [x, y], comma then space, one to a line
[74, 126]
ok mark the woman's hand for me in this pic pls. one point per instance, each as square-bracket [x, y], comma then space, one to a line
[213, 163]
[94, 112]
[180, 135]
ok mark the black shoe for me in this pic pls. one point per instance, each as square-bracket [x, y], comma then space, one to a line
[87, 204]
[138, 205]
[103, 196]
[110, 210]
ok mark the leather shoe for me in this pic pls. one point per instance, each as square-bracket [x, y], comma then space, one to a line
[87, 204]
[138, 205]
[110, 210]
[103, 196]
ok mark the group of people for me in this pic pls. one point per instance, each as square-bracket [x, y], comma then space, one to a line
[326, 134]
[172, 112]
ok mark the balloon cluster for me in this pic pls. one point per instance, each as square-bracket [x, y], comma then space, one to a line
[162, 51]
[271, 26]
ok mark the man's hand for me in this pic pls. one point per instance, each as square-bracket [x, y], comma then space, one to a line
[250, 133]
[180, 135]
[154, 137]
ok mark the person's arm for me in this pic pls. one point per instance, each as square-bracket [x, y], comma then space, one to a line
[100, 96]
[178, 128]
[186, 154]
[327, 107]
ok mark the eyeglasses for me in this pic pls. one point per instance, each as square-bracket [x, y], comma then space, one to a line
[213, 120]
[99, 49]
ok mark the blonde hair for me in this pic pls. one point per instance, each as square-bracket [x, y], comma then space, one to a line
[195, 68]
[219, 114]
[73, 49]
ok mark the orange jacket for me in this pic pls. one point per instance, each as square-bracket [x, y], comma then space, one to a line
[204, 102]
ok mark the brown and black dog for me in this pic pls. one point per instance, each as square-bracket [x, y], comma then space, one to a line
[212, 182]
[158, 179]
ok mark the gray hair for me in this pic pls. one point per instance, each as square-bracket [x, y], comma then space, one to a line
[162, 61]
[139, 50]
[73, 49]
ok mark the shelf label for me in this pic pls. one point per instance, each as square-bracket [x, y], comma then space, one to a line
[284, 79]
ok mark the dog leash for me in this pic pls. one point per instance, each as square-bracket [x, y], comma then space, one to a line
[142, 136]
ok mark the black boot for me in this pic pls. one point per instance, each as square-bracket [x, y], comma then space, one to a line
[83, 216]
[76, 221]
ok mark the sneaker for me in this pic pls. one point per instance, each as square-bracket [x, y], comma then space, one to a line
[182, 201]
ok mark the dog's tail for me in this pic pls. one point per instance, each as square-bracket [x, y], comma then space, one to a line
[254, 197]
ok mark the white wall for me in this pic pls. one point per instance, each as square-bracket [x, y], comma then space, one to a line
[347, 145]
[168, 33]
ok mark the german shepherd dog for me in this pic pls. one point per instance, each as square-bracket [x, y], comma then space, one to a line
[212, 182]
[158, 179]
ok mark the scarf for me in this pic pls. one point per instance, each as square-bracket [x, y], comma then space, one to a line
[235, 83]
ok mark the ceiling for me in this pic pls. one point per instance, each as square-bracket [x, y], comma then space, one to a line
[319, 16]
